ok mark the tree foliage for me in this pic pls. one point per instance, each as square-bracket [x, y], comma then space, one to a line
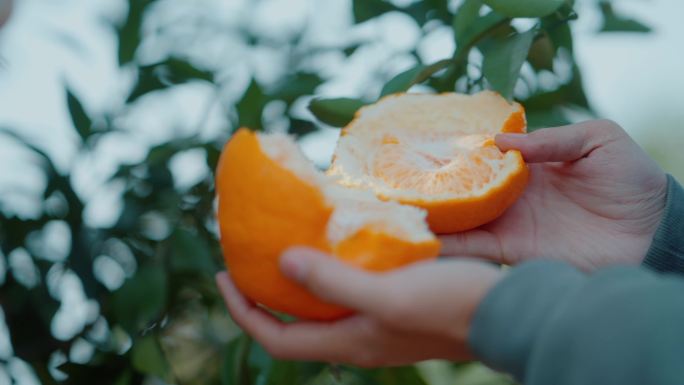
[165, 321]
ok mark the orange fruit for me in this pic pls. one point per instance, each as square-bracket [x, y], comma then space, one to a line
[436, 152]
[271, 198]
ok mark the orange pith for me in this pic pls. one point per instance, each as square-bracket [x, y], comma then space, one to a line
[436, 152]
[265, 208]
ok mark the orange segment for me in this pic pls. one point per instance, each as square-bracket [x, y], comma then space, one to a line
[436, 152]
[449, 165]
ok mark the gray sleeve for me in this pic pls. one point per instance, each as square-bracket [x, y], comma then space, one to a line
[548, 323]
[666, 253]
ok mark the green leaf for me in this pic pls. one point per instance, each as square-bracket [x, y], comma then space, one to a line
[575, 88]
[161, 75]
[129, 31]
[258, 359]
[470, 33]
[180, 71]
[403, 81]
[336, 112]
[613, 22]
[284, 373]
[350, 49]
[301, 127]
[297, 85]
[292, 373]
[250, 108]
[123, 378]
[235, 370]
[335, 375]
[552, 117]
[369, 9]
[104, 369]
[446, 82]
[190, 253]
[147, 357]
[503, 61]
[569, 94]
[525, 8]
[213, 154]
[475, 373]
[464, 19]
[79, 117]
[407, 375]
[426, 10]
[560, 36]
[141, 300]
[415, 75]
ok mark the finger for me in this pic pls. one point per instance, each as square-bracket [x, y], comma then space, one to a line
[560, 144]
[333, 280]
[474, 243]
[243, 310]
[318, 341]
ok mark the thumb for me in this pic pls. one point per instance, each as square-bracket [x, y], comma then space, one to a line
[561, 144]
[332, 280]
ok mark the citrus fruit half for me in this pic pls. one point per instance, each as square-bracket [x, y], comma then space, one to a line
[436, 152]
[270, 197]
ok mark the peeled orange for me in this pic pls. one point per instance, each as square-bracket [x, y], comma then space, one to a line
[436, 152]
[406, 165]
[271, 198]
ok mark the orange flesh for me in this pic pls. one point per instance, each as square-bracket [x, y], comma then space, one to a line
[436, 152]
[449, 165]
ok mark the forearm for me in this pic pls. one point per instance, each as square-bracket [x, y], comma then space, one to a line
[547, 323]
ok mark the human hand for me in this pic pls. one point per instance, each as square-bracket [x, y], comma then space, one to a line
[416, 313]
[594, 198]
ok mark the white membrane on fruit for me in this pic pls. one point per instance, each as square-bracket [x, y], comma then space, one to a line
[409, 146]
[354, 167]
[353, 209]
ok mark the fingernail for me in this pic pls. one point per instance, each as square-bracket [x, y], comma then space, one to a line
[293, 265]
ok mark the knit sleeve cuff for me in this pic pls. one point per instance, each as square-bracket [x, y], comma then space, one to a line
[666, 253]
[509, 318]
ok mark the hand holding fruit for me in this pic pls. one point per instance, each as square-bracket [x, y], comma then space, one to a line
[407, 315]
[392, 169]
[594, 199]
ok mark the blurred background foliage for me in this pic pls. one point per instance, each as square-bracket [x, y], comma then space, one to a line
[134, 301]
